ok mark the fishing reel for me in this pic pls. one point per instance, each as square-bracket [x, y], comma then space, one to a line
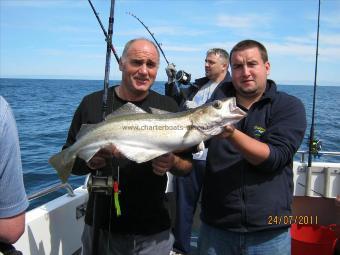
[316, 147]
[183, 77]
[106, 185]
[100, 184]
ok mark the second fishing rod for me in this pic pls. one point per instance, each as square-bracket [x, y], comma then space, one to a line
[181, 77]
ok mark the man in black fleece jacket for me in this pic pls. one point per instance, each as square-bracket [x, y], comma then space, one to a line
[144, 224]
[249, 177]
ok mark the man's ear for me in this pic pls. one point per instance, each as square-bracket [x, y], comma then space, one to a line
[267, 65]
[226, 65]
[120, 64]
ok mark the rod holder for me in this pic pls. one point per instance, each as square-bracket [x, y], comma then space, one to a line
[308, 188]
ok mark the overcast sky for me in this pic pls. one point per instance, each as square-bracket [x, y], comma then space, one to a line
[62, 38]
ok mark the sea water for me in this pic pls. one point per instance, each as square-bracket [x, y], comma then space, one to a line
[44, 108]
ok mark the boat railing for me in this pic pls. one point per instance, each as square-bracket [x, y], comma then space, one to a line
[304, 154]
[51, 189]
[317, 180]
[70, 192]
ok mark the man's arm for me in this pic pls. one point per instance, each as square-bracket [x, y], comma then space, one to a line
[13, 200]
[12, 228]
[280, 141]
[171, 89]
[173, 163]
[182, 166]
[254, 151]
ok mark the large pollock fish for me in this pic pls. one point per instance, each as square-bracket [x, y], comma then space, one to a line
[142, 136]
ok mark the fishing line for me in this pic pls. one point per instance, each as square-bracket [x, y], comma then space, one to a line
[152, 34]
[182, 77]
[318, 193]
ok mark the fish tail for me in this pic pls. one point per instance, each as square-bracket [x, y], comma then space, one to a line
[63, 163]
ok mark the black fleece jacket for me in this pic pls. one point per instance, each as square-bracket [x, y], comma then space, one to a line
[239, 196]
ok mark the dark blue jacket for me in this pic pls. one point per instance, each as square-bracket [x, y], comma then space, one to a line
[239, 196]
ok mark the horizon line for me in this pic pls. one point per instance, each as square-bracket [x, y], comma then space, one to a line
[89, 78]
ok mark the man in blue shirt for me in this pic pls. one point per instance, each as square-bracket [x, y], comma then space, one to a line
[249, 176]
[13, 200]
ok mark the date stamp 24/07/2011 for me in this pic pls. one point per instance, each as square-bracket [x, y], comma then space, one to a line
[292, 219]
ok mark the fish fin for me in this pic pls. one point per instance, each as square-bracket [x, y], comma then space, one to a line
[138, 154]
[88, 153]
[63, 164]
[158, 111]
[126, 109]
[84, 129]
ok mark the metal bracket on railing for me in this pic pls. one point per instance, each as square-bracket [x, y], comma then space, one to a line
[326, 173]
[308, 189]
[321, 153]
[327, 182]
[51, 189]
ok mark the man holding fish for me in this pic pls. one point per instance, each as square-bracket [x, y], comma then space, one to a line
[139, 157]
[249, 176]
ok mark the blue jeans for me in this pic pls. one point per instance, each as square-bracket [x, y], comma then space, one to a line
[115, 244]
[188, 190]
[213, 241]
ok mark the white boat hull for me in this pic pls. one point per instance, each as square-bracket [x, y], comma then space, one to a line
[55, 229]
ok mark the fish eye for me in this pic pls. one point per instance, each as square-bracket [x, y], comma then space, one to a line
[217, 104]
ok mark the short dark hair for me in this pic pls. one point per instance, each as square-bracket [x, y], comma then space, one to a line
[247, 44]
[219, 51]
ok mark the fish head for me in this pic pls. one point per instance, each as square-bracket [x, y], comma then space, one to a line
[212, 117]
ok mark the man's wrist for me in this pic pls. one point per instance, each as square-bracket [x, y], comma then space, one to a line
[231, 131]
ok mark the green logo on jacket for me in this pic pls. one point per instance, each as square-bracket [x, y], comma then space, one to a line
[258, 131]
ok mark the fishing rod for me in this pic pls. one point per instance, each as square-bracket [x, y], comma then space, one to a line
[108, 59]
[97, 178]
[312, 141]
[104, 31]
[153, 37]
